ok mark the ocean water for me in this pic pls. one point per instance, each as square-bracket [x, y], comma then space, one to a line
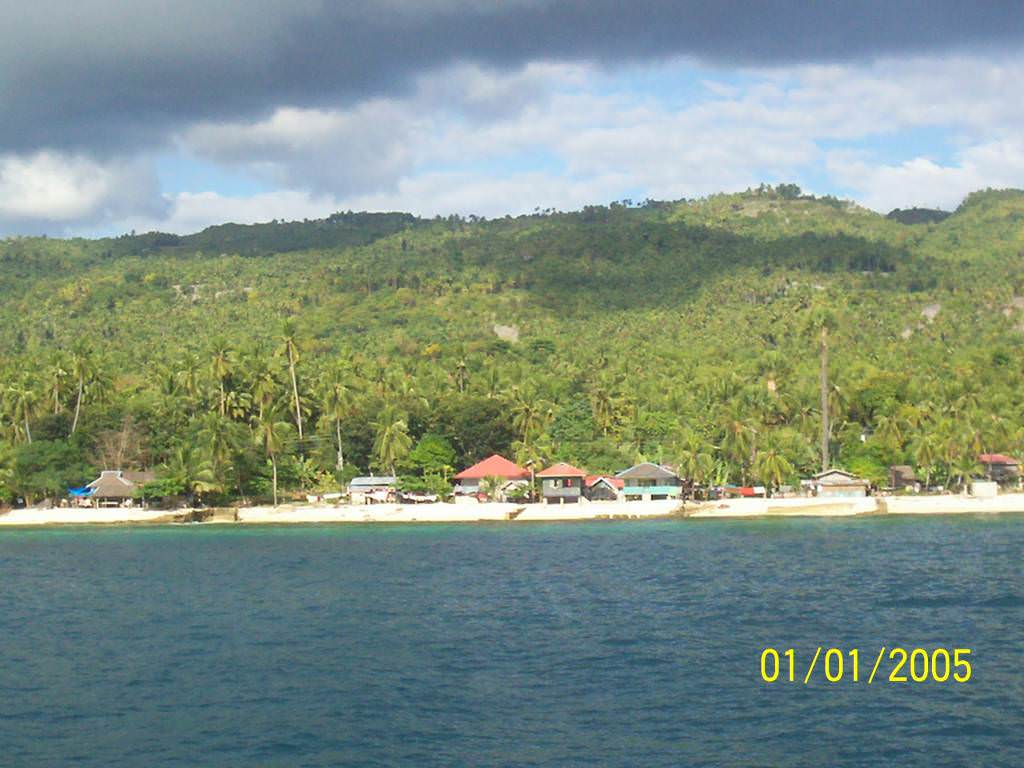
[596, 644]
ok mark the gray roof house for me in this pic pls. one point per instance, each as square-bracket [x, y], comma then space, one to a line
[650, 481]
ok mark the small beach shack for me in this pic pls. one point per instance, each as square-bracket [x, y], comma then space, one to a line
[837, 483]
[902, 477]
[467, 482]
[603, 487]
[1000, 468]
[650, 482]
[372, 489]
[561, 483]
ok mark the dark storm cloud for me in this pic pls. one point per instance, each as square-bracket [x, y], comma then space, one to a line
[105, 75]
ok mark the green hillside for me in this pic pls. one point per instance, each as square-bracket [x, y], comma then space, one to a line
[683, 332]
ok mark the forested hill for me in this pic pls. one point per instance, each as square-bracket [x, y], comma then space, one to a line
[682, 332]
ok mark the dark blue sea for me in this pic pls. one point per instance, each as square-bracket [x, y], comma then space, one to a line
[597, 644]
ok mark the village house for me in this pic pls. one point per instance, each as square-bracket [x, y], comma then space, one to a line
[510, 476]
[836, 483]
[602, 488]
[372, 489]
[999, 468]
[561, 483]
[902, 478]
[650, 482]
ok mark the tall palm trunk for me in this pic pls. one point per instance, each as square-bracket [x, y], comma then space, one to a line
[273, 463]
[341, 456]
[295, 393]
[825, 429]
[78, 405]
[28, 432]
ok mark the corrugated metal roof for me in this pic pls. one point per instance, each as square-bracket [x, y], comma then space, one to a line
[647, 471]
[372, 481]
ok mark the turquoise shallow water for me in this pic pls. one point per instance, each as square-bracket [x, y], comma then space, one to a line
[604, 644]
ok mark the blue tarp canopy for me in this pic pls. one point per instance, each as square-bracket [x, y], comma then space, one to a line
[80, 492]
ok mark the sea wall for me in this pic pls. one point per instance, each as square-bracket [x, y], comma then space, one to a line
[782, 507]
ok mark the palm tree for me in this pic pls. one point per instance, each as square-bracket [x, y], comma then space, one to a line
[491, 487]
[889, 431]
[492, 380]
[270, 434]
[824, 322]
[695, 464]
[289, 348]
[461, 374]
[529, 412]
[738, 441]
[22, 399]
[335, 405]
[238, 403]
[772, 468]
[221, 365]
[83, 369]
[604, 408]
[56, 375]
[393, 442]
[263, 384]
[926, 454]
[965, 467]
[189, 470]
[222, 440]
[188, 378]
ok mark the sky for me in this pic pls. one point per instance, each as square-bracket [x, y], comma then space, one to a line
[173, 115]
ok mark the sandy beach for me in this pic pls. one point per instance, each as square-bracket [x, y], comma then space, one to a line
[73, 516]
[523, 513]
[871, 505]
[456, 513]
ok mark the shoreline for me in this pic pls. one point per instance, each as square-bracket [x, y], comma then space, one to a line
[524, 513]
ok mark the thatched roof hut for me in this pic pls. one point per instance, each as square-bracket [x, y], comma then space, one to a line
[113, 484]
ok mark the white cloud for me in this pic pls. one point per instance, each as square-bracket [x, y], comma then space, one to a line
[189, 212]
[370, 146]
[557, 128]
[923, 182]
[53, 190]
[472, 140]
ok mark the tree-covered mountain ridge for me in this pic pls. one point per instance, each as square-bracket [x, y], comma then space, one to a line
[683, 332]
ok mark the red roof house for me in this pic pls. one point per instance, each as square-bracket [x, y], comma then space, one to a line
[997, 458]
[494, 466]
[468, 480]
[1001, 468]
[614, 482]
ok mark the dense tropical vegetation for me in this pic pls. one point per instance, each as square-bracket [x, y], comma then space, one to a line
[248, 361]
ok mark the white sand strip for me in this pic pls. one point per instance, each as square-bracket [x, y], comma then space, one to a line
[952, 505]
[72, 516]
[473, 512]
[454, 513]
